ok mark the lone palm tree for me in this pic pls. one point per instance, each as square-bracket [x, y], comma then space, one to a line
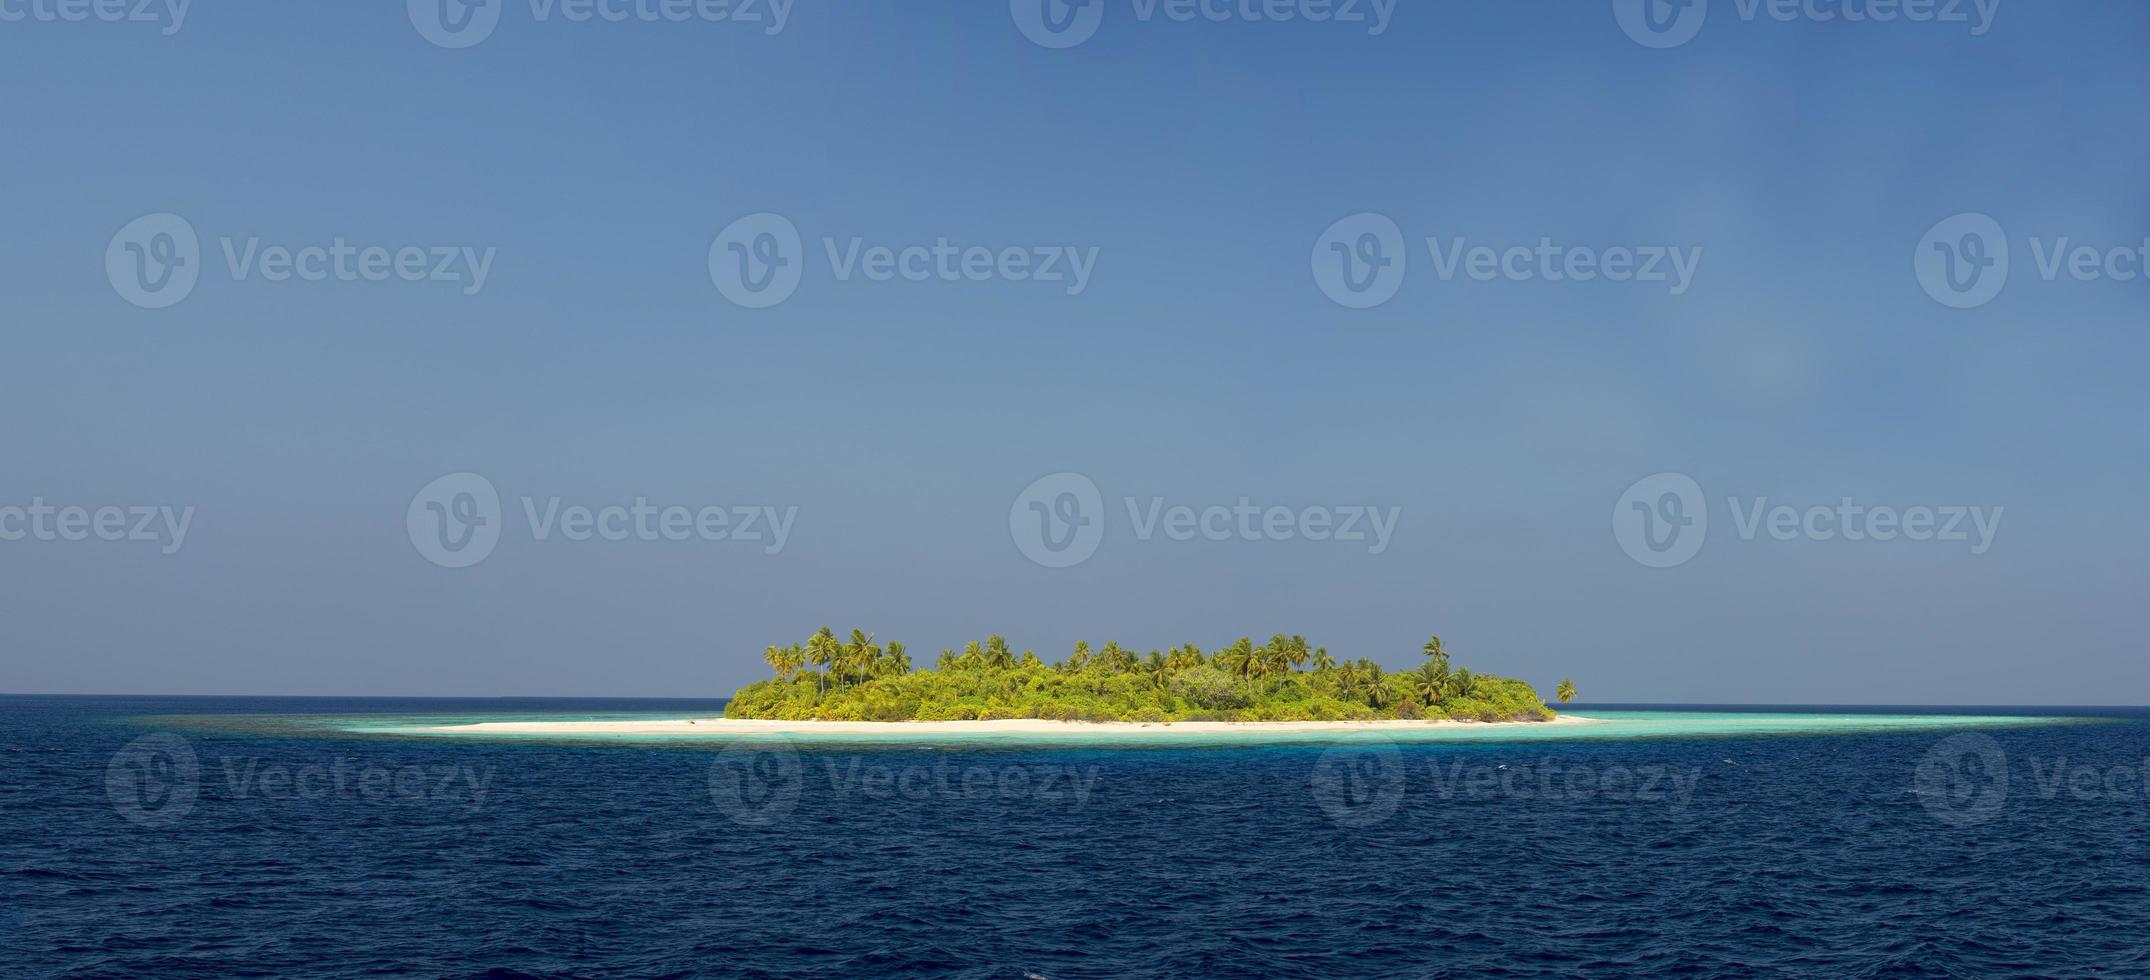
[1435, 653]
[1566, 691]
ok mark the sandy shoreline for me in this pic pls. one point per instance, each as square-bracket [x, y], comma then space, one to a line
[1012, 726]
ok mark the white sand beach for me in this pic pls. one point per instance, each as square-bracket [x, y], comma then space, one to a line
[1013, 726]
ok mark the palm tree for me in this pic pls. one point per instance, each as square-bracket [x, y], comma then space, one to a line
[1463, 683]
[1323, 663]
[1428, 682]
[1297, 653]
[1185, 657]
[1434, 652]
[997, 654]
[775, 659]
[946, 661]
[1566, 691]
[821, 651]
[1275, 655]
[861, 656]
[1159, 668]
[1347, 679]
[899, 661]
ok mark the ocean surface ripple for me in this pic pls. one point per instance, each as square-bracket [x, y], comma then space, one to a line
[293, 853]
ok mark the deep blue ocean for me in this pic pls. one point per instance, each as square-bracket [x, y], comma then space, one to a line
[219, 837]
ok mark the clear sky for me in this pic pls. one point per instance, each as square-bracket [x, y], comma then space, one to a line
[594, 165]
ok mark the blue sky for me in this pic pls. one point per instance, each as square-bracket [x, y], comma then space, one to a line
[899, 422]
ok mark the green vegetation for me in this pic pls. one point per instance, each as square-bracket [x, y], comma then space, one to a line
[828, 678]
[1566, 691]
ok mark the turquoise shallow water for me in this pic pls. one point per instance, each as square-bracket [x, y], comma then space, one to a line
[1606, 723]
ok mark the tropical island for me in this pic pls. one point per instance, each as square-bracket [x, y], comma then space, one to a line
[833, 679]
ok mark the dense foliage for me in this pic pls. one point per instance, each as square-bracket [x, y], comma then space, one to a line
[831, 679]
